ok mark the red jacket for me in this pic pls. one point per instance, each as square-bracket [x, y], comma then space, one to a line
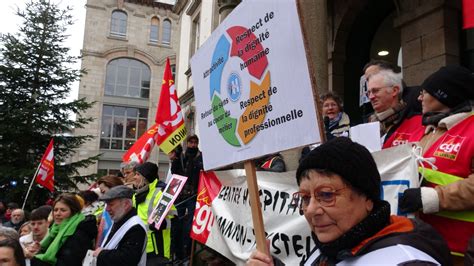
[409, 130]
[454, 152]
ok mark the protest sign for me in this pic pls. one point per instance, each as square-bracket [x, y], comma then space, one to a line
[169, 195]
[252, 85]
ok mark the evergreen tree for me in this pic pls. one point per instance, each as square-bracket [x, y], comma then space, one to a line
[36, 75]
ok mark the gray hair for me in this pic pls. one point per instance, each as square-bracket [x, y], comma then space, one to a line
[128, 165]
[390, 78]
[8, 233]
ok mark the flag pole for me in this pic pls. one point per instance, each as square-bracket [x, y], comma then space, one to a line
[31, 185]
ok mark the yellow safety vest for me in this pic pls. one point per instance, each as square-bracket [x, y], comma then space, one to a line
[144, 209]
[443, 179]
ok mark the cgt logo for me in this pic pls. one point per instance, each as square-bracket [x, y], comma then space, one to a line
[400, 139]
[449, 147]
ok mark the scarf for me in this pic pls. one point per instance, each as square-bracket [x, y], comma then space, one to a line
[57, 235]
[141, 193]
[340, 249]
[433, 118]
[335, 122]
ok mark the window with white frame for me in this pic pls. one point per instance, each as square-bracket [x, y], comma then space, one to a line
[118, 23]
[166, 32]
[127, 77]
[154, 30]
[122, 126]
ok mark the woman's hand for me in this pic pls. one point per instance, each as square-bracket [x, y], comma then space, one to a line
[31, 249]
[260, 258]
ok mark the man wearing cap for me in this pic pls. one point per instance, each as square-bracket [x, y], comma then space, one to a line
[398, 123]
[447, 193]
[149, 191]
[125, 242]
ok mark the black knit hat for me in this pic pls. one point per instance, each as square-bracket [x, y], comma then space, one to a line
[148, 170]
[350, 160]
[451, 85]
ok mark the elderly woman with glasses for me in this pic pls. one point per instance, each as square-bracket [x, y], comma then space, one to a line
[339, 195]
[336, 122]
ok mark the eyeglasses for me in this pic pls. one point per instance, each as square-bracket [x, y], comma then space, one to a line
[375, 91]
[326, 196]
[422, 92]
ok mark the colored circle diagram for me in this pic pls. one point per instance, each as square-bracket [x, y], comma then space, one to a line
[248, 100]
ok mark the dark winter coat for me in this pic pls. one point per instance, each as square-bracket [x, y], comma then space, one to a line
[74, 250]
[129, 249]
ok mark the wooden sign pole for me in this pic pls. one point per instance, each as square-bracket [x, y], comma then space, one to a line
[311, 70]
[255, 204]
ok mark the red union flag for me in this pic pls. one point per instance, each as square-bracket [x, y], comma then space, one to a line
[171, 130]
[468, 14]
[141, 149]
[45, 176]
[208, 190]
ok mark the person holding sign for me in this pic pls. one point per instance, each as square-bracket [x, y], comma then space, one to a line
[339, 195]
[149, 190]
[189, 164]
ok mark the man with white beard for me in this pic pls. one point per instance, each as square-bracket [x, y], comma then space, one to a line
[125, 242]
[17, 220]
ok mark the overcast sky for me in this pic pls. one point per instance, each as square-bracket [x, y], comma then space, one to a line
[9, 24]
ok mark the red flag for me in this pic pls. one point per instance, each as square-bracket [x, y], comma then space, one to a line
[141, 149]
[208, 190]
[468, 14]
[171, 130]
[45, 176]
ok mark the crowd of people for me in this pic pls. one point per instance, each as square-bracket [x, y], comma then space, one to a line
[339, 191]
[438, 117]
[108, 224]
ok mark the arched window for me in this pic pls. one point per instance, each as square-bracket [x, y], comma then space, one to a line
[166, 31]
[154, 29]
[118, 24]
[127, 77]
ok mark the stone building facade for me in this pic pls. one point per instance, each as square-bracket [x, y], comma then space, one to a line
[343, 35]
[126, 43]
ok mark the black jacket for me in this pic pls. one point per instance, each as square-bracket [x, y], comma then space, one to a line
[130, 247]
[14, 226]
[74, 250]
[189, 166]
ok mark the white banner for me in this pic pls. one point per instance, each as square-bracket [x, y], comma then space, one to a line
[252, 86]
[223, 220]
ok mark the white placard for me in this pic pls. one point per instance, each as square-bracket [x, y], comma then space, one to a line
[368, 135]
[252, 86]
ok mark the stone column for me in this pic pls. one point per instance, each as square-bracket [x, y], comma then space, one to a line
[314, 17]
[225, 7]
[429, 37]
